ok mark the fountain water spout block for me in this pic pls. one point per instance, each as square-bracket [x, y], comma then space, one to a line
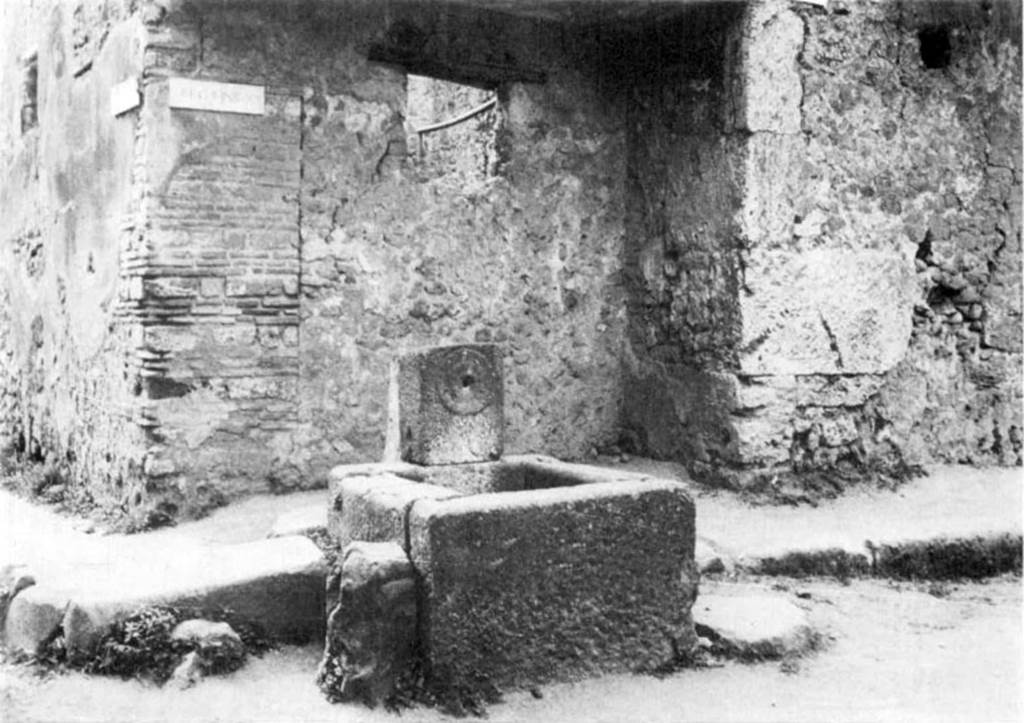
[450, 404]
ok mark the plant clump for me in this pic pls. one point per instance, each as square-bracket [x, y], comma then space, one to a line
[143, 645]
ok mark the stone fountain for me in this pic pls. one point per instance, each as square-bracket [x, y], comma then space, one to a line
[490, 572]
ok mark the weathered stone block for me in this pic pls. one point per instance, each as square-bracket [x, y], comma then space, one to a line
[770, 91]
[278, 583]
[13, 579]
[754, 627]
[553, 584]
[450, 404]
[33, 618]
[371, 630]
[373, 509]
[826, 312]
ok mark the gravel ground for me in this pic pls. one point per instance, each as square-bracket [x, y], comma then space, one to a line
[894, 652]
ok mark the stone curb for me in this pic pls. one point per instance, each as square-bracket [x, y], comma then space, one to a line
[278, 583]
[949, 558]
[936, 558]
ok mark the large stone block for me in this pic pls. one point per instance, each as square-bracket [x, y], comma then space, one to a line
[450, 405]
[826, 312]
[371, 630]
[278, 583]
[769, 84]
[13, 579]
[343, 472]
[523, 588]
[33, 619]
[374, 509]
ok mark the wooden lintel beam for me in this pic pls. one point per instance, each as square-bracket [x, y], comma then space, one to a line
[468, 72]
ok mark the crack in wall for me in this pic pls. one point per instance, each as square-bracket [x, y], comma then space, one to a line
[833, 343]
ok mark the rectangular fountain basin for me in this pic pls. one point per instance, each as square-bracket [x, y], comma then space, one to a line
[531, 570]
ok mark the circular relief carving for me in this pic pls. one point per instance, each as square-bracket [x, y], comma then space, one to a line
[467, 381]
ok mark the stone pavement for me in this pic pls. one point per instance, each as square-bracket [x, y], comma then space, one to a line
[228, 557]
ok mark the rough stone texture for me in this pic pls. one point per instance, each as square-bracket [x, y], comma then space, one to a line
[217, 643]
[374, 509]
[371, 629]
[685, 172]
[735, 211]
[753, 627]
[858, 319]
[162, 307]
[955, 396]
[215, 648]
[450, 405]
[516, 241]
[506, 607]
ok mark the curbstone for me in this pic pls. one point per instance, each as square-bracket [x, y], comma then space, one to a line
[948, 558]
[278, 583]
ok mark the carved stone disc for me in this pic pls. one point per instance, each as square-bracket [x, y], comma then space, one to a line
[467, 384]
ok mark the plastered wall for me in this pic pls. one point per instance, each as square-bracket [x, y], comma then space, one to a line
[69, 206]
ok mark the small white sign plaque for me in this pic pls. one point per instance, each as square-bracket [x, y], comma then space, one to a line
[211, 95]
[124, 96]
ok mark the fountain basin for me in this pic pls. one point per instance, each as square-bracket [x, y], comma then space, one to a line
[530, 570]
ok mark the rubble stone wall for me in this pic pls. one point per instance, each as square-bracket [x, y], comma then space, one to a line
[874, 294]
[777, 241]
[506, 229]
[684, 190]
[289, 257]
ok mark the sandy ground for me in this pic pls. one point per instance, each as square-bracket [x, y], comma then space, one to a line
[896, 652]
